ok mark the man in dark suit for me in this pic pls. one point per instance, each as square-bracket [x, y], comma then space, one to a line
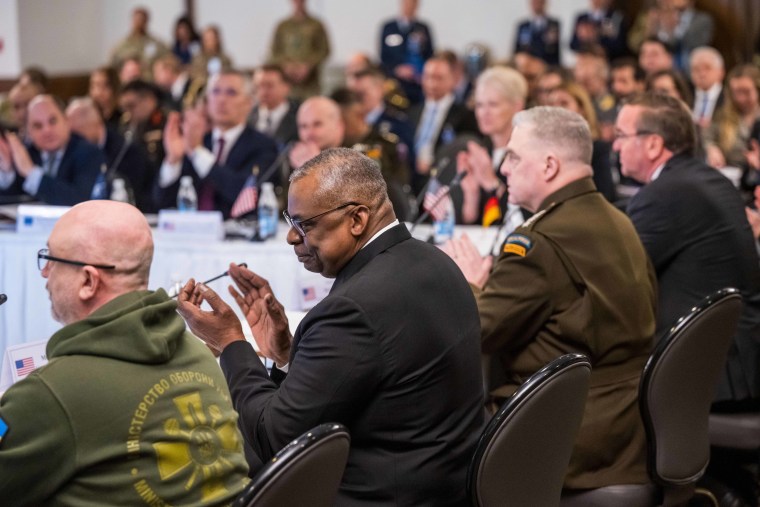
[178, 88]
[391, 352]
[221, 161]
[707, 71]
[124, 159]
[274, 113]
[604, 26]
[439, 120]
[572, 278]
[405, 46]
[539, 35]
[59, 168]
[692, 222]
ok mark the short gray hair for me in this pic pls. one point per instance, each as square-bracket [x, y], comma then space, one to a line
[709, 53]
[244, 77]
[506, 81]
[560, 129]
[345, 175]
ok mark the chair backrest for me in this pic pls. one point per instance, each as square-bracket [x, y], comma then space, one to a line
[677, 388]
[306, 472]
[523, 454]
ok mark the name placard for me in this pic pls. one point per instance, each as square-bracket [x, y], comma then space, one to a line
[191, 225]
[21, 360]
[38, 219]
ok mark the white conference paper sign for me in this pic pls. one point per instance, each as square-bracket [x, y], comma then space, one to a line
[21, 360]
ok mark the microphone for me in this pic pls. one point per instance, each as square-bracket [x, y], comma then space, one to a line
[441, 165]
[128, 136]
[176, 289]
[3, 298]
[277, 162]
[447, 190]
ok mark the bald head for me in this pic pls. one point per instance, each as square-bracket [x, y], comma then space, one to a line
[85, 120]
[320, 122]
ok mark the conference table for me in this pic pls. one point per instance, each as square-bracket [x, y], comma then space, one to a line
[26, 316]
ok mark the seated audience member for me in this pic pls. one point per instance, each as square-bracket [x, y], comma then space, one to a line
[603, 25]
[58, 167]
[275, 112]
[131, 69]
[393, 92]
[211, 59]
[707, 71]
[592, 72]
[221, 161]
[300, 46]
[655, 55]
[669, 82]
[727, 137]
[693, 225]
[573, 97]
[143, 120]
[131, 408]
[382, 147]
[179, 90]
[405, 45]
[369, 84]
[463, 85]
[531, 67]
[19, 97]
[539, 35]
[627, 79]
[186, 41]
[104, 90]
[499, 93]
[124, 160]
[546, 83]
[439, 119]
[409, 389]
[531, 307]
[36, 76]
[139, 43]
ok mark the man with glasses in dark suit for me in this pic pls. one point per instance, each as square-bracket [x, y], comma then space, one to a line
[392, 352]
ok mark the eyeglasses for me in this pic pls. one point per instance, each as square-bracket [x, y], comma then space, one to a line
[621, 135]
[298, 224]
[43, 258]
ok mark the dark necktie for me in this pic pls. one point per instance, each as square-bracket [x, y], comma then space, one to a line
[206, 201]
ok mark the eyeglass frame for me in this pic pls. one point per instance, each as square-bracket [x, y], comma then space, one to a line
[42, 253]
[298, 224]
[619, 135]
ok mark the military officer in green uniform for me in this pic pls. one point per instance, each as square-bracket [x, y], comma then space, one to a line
[573, 278]
[300, 46]
[139, 43]
[131, 409]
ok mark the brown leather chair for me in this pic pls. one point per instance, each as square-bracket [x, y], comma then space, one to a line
[522, 456]
[675, 394]
[305, 473]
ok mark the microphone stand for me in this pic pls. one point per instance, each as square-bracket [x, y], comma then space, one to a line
[441, 165]
[447, 190]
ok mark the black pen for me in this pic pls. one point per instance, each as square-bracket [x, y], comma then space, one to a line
[226, 273]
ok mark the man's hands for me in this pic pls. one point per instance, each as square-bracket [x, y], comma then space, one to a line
[182, 141]
[301, 153]
[465, 254]
[221, 326]
[14, 153]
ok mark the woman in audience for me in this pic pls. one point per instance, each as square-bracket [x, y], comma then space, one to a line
[727, 138]
[572, 96]
[500, 92]
[186, 40]
[104, 91]
[670, 82]
[211, 58]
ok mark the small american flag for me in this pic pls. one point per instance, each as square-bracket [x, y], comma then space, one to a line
[436, 200]
[309, 294]
[248, 197]
[24, 366]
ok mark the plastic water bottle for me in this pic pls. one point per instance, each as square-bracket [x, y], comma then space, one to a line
[443, 229]
[100, 188]
[268, 210]
[119, 191]
[187, 199]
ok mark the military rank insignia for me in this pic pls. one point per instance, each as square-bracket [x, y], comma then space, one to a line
[518, 244]
[3, 429]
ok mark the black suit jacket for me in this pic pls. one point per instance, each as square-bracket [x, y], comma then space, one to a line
[287, 130]
[252, 148]
[692, 223]
[612, 33]
[393, 353]
[542, 43]
[77, 172]
[459, 120]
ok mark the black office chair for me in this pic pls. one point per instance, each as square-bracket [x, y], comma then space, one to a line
[675, 393]
[735, 438]
[522, 456]
[305, 473]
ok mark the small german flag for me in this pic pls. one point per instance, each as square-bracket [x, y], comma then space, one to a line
[491, 211]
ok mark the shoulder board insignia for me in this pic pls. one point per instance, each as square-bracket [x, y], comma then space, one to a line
[518, 244]
[607, 102]
[535, 218]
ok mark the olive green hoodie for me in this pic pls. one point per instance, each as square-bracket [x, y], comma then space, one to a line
[130, 410]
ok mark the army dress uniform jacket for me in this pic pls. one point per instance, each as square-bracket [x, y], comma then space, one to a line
[576, 278]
